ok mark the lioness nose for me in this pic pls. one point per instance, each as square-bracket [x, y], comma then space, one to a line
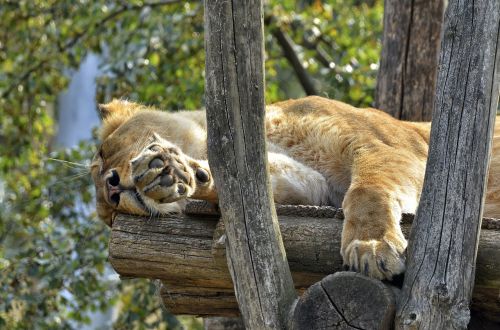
[113, 185]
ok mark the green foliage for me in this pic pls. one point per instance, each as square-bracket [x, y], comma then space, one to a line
[53, 267]
[51, 250]
[148, 314]
[338, 43]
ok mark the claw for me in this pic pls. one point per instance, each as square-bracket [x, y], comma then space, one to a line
[366, 269]
[181, 189]
[374, 258]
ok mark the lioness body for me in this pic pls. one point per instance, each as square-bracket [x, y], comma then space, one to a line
[320, 152]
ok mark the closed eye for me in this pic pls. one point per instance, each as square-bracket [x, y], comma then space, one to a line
[98, 160]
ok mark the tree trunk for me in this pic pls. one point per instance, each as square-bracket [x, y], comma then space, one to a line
[188, 254]
[443, 243]
[238, 161]
[408, 64]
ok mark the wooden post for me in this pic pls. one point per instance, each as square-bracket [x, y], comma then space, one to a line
[443, 243]
[238, 160]
[408, 63]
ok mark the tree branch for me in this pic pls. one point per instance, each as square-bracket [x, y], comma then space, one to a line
[320, 54]
[286, 45]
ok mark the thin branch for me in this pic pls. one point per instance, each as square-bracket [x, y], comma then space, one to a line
[320, 54]
[286, 45]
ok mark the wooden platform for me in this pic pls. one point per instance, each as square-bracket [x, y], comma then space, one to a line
[187, 253]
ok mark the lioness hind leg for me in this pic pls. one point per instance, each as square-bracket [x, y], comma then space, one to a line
[165, 174]
[295, 183]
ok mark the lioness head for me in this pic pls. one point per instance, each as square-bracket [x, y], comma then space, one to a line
[126, 130]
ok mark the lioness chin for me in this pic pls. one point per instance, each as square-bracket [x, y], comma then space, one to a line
[321, 152]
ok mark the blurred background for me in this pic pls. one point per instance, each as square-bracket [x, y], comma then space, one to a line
[58, 59]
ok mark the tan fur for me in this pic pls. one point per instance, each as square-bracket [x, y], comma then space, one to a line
[321, 152]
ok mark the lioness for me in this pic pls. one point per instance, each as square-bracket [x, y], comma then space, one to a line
[321, 152]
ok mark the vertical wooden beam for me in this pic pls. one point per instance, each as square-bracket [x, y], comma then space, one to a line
[408, 64]
[443, 242]
[238, 160]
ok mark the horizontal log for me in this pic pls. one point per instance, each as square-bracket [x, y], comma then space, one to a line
[181, 251]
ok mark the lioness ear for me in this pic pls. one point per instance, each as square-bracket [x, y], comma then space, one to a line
[115, 113]
[119, 108]
[103, 110]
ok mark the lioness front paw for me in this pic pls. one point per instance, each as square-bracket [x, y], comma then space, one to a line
[381, 259]
[163, 173]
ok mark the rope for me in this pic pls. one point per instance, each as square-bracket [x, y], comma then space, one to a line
[202, 208]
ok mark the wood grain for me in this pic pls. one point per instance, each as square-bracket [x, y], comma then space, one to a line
[443, 243]
[238, 161]
[408, 63]
[329, 304]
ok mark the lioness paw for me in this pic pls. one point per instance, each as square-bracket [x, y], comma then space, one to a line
[162, 173]
[379, 259]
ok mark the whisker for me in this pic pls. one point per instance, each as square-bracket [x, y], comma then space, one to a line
[141, 142]
[69, 164]
[136, 144]
[74, 176]
[70, 178]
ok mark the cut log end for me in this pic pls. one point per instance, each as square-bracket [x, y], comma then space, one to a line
[346, 300]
